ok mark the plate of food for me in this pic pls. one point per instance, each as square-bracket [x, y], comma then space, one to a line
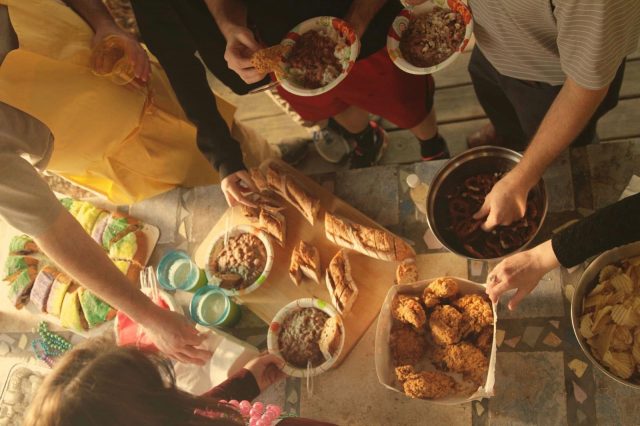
[435, 341]
[309, 335]
[19, 391]
[242, 263]
[605, 314]
[429, 37]
[314, 57]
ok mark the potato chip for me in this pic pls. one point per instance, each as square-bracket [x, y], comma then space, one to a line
[622, 283]
[625, 315]
[597, 300]
[603, 340]
[586, 324]
[635, 349]
[634, 260]
[616, 297]
[622, 339]
[608, 271]
[599, 288]
[601, 319]
[620, 363]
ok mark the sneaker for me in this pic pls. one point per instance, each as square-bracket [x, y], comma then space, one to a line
[331, 143]
[434, 149]
[370, 147]
[293, 151]
[484, 136]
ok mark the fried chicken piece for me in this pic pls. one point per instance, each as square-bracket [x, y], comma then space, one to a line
[403, 372]
[429, 385]
[407, 345]
[476, 310]
[442, 288]
[466, 359]
[445, 324]
[408, 310]
[485, 339]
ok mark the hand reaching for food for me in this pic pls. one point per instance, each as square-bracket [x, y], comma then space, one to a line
[522, 272]
[241, 45]
[267, 370]
[505, 204]
[237, 188]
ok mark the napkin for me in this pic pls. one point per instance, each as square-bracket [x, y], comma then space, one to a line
[633, 187]
[229, 356]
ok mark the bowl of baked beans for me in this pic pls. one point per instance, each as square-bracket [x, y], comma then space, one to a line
[429, 37]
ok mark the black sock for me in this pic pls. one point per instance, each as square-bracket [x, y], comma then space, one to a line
[433, 146]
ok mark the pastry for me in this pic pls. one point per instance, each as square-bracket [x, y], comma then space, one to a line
[342, 288]
[99, 226]
[130, 269]
[373, 242]
[42, 287]
[85, 213]
[131, 247]
[117, 227]
[71, 315]
[22, 244]
[56, 295]
[95, 310]
[16, 264]
[283, 185]
[305, 262]
[407, 272]
[20, 286]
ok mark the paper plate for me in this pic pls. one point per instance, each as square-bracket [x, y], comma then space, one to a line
[347, 57]
[274, 332]
[401, 22]
[217, 245]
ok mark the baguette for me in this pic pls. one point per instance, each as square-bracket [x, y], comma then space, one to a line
[305, 262]
[274, 224]
[407, 272]
[342, 288]
[282, 184]
[258, 179]
[330, 337]
[373, 242]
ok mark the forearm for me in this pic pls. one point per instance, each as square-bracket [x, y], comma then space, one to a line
[610, 227]
[241, 385]
[567, 117]
[228, 14]
[362, 12]
[81, 258]
[94, 12]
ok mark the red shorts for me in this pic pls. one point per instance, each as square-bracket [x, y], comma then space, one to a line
[376, 85]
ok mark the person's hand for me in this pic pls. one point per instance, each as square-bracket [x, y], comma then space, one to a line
[241, 45]
[522, 271]
[176, 337]
[236, 188]
[267, 369]
[132, 49]
[505, 204]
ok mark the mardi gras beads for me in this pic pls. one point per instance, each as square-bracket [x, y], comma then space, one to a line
[49, 345]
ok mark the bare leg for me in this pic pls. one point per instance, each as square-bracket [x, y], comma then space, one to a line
[353, 119]
[427, 127]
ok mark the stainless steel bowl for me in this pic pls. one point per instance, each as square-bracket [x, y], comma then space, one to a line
[484, 159]
[587, 282]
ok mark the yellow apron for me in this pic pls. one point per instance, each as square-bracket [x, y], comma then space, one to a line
[118, 141]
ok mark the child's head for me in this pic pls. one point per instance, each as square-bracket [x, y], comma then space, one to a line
[99, 384]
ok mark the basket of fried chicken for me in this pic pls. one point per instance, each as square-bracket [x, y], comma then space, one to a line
[435, 341]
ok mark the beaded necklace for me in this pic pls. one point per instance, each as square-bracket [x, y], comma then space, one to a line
[49, 345]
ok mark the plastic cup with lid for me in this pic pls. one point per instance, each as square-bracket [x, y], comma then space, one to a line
[211, 307]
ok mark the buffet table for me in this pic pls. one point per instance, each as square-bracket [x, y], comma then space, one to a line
[542, 377]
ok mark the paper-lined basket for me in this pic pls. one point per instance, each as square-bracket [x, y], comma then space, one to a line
[384, 363]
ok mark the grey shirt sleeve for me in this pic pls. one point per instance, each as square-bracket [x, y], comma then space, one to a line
[594, 36]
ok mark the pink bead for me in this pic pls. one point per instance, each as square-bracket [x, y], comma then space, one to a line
[245, 411]
[262, 423]
[275, 410]
[268, 417]
[253, 422]
[259, 407]
[255, 413]
[245, 404]
[223, 401]
[234, 402]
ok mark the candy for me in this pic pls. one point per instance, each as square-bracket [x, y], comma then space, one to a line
[259, 407]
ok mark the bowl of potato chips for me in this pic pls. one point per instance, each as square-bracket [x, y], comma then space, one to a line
[605, 313]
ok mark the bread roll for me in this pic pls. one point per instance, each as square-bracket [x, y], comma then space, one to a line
[373, 242]
[407, 272]
[342, 288]
[274, 224]
[330, 338]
